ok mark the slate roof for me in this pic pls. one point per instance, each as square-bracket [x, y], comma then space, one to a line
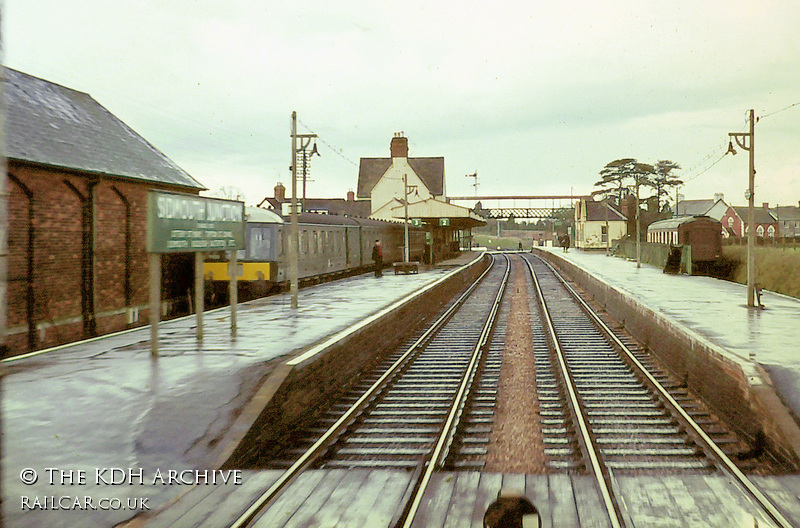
[786, 212]
[761, 215]
[694, 207]
[332, 206]
[51, 125]
[430, 171]
[596, 211]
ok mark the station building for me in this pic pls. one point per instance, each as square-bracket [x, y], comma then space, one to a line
[401, 188]
[78, 179]
[598, 223]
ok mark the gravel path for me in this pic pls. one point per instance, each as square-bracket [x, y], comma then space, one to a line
[515, 445]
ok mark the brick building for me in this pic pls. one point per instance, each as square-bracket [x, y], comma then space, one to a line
[734, 222]
[78, 179]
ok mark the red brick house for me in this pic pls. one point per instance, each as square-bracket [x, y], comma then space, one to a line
[734, 222]
[78, 179]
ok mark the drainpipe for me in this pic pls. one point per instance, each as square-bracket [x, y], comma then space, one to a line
[30, 293]
[87, 256]
[128, 258]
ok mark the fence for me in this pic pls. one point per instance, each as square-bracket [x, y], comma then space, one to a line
[655, 254]
[783, 242]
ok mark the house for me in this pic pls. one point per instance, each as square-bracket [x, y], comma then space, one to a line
[401, 188]
[734, 222]
[382, 180]
[78, 180]
[597, 224]
[715, 208]
[788, 220]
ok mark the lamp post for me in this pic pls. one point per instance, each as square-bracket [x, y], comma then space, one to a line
[743, 143]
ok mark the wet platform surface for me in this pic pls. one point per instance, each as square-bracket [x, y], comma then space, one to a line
[362, 498]
[716, 310]
[105, 403]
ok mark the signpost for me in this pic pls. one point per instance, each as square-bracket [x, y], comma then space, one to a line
[187, 223]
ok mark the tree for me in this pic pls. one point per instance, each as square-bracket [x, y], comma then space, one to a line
[229, 192]
[663, 180]
[613, 178]
[620, 174]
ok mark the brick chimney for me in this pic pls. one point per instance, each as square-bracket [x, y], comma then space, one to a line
[765, 205]
[399, 146]
[280, 192]
[351, 196]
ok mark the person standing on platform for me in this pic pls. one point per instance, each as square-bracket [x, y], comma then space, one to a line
[377, 257]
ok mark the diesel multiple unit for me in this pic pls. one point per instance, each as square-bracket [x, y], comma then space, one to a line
[329, 245]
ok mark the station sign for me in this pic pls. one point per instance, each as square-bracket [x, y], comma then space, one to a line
[444, 222]
[416, 222]
[187, 223]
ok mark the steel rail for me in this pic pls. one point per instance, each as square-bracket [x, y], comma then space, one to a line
[724, 462]
[327, 438]
[439, 452]
[598, 469]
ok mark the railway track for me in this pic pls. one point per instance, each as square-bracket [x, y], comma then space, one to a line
[421, 403]
[606, 406]
[623, 411]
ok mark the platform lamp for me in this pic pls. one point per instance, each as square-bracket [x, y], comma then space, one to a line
[743, 143]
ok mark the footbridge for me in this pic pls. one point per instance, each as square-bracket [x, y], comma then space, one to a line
[518, 206]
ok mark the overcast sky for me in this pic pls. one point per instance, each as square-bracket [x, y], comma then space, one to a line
[535, 96]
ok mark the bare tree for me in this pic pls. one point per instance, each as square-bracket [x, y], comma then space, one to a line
[229, 192]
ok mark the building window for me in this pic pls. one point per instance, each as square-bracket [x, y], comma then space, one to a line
[760, 231]
[730, 221]
[604, 233]
[771, 231]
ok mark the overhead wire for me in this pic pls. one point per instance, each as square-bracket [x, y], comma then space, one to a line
[779, 111]
[338, 152]
[715, 151]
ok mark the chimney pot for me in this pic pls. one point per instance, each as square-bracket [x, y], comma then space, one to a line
[399, 146]
[351, 196]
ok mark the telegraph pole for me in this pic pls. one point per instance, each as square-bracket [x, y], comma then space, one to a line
[406, 253]
[638, 228]
[743, 143]
[293, 231]
[294, 242]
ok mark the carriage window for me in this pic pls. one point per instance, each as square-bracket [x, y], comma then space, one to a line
[604, 233]
[304, 242]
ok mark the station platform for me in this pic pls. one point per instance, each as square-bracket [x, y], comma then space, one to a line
[105, 404]
[716, 310]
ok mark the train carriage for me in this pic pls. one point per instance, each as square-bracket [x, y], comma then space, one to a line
[329, 245]
[702, 233]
